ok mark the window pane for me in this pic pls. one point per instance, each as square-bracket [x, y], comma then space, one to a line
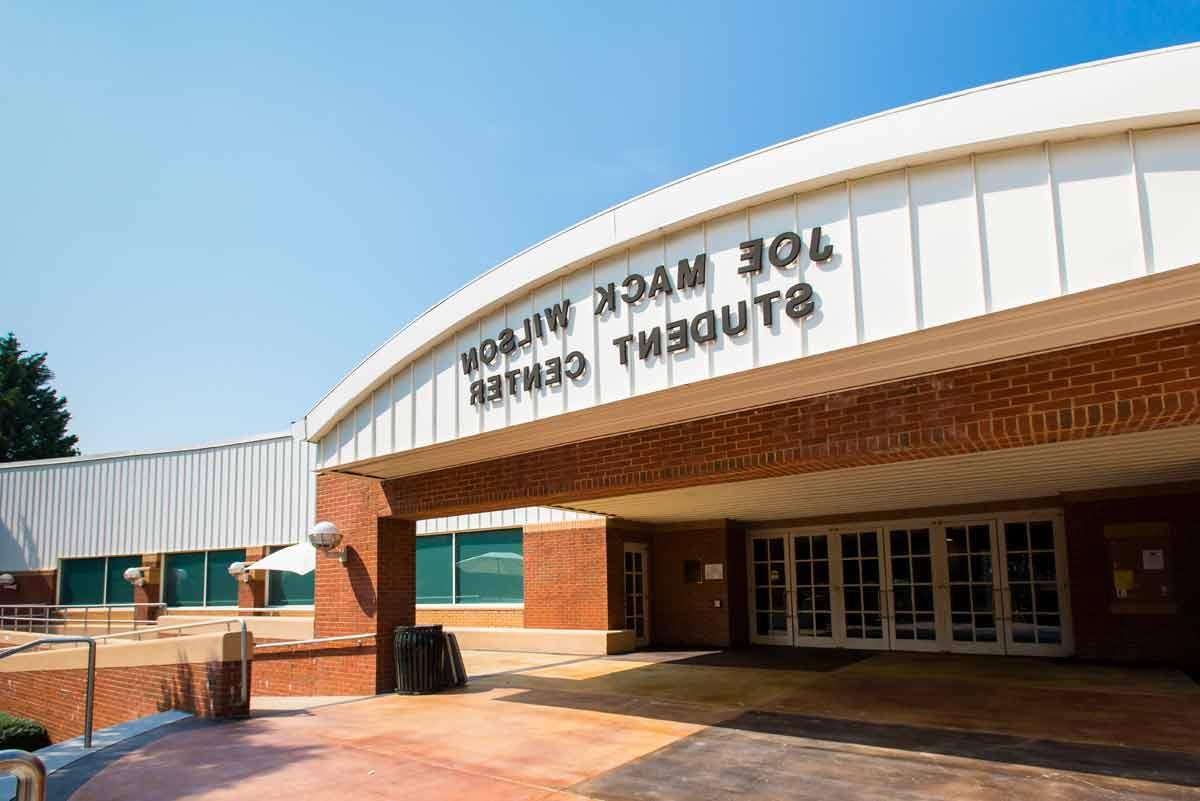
[82, 581]
[284, 588]
[222, 587]
[490, 567]
[183, 579]
[120, 591]
[433, 570]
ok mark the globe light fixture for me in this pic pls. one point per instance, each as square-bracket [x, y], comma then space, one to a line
[325, 537]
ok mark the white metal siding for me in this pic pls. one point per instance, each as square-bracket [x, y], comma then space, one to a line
[256, 492]
[913, 248]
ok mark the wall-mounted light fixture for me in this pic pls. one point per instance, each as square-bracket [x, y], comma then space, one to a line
[137, 576]
[325, 537]
[240, 571]
[8, 581]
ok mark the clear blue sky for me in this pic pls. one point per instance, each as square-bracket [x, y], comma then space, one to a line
[210, 212]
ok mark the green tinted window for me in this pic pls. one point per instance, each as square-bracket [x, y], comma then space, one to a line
[120, 591]
[433, 570]
[285, 588]
[490, 567]
[82, 581]
[222, 587]
[183, 579]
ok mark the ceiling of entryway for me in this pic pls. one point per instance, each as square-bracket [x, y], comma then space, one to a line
[1036, 472]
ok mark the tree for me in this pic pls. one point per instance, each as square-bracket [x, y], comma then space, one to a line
[33, 419]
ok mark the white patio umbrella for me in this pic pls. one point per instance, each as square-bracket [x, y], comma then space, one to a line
[496, 563]
[299, 558]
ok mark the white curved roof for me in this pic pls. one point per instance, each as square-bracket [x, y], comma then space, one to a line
[927, 151]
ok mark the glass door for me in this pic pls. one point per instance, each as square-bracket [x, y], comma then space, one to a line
[813, 590]
[769, 582]
[1034, 587]
[637, 555]
[910, 562]
[861, 577]
[972, 587]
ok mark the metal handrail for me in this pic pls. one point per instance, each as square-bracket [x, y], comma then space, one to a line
[46, 619]
[368, 636]
[91, 674]
[30, 773]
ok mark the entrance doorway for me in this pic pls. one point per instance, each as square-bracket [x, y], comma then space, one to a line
[637, 566]
[987, 585]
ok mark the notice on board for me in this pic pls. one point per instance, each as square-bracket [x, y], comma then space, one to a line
[1153, 559]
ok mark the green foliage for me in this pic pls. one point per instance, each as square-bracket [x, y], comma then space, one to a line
[33, 419]
[28, 735]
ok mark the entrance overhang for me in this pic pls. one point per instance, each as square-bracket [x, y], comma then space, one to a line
[1039, 473]
[1153, 302]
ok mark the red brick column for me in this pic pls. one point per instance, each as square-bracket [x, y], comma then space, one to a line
[150, 592]
[375, 590]
[252, 594]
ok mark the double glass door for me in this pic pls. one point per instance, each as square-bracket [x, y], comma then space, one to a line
[964, 585]
[818, 589]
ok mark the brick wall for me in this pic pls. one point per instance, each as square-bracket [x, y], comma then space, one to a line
[337, 668]
[56, 697]
[375, 590]
[1136, 383]
[566, 578]
[1101, 633]
[33, 587]
[467, 616]
[683, 612]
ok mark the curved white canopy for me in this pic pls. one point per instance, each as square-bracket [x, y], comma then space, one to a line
[299, 558]
[932, 228]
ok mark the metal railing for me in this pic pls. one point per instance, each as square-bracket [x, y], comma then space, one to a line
[44, 618]
[368, 636]
[91, 674]
[30, 773]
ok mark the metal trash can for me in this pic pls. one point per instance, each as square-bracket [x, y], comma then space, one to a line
[427, 660]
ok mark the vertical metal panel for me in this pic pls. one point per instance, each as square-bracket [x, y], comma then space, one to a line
[521, 404]
[495, 415]
[610, 324]
[1168, 163]
[470, 416]
[253, 492]
[947, 236]
[690, 364]
[1100, 234]
[579, 289]
[834, 324]
[731, 354]
[882, 236]
[649, 374]
[1018, 226]
[552, 400]
[783, 339]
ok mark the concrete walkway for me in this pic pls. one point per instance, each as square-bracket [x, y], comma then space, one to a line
[769, 724]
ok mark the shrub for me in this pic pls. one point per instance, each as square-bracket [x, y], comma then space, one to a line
[28, 735]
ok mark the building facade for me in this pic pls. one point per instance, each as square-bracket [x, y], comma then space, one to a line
[923, 381]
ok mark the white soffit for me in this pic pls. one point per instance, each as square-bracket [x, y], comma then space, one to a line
[1035, 472]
